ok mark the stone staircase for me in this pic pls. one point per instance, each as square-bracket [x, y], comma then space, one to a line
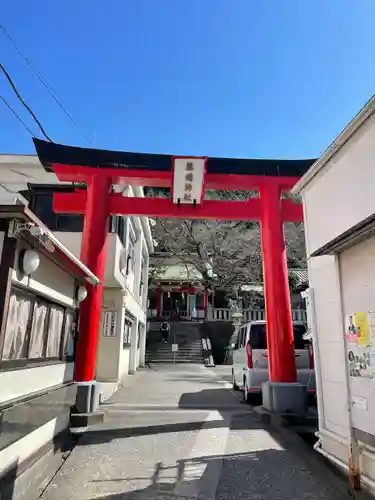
[188, 337]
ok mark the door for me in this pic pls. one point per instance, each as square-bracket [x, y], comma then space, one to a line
[258, 343]
[239, 357]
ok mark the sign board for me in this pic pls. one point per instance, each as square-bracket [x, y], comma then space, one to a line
[188, 178]
[110, 324]
[174, 347]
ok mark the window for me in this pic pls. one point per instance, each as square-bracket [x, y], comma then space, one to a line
[142, 277]
[37, 330]
[38, 333]
[127, 332]
[140, 326]
[259, 336]
[130, 262]
[68, 334]
[242, 336]
[299, 342]
[41, 205]
[15, 342]
[117, 225]
[54, 332]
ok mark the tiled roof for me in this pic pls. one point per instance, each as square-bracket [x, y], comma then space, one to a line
[301, 275]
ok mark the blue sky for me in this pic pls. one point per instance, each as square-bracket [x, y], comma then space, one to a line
[241, 78]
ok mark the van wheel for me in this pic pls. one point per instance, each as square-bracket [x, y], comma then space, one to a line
[234, 385]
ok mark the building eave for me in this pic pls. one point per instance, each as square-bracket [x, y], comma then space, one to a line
[363, 115]
[21, 212]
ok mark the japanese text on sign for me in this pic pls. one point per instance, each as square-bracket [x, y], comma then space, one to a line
[188, 180]
[109, 324]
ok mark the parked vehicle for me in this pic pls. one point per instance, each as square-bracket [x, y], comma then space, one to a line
[250, 358]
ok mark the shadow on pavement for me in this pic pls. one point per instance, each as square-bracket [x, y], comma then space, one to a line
[207, 400]
[214, 399]
[265, 474]
[237, 422]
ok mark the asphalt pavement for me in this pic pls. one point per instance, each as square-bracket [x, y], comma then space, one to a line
[180, 432]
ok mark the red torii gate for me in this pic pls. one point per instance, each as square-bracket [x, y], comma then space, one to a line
[100, 169]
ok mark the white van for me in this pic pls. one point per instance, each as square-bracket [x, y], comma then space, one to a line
[250, 358]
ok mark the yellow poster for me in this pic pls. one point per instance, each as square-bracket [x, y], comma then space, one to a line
[360, 322]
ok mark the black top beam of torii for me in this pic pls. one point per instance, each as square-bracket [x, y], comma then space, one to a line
[49, 153]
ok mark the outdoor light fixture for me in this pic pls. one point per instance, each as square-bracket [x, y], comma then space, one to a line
[29, 261]
[81, 293]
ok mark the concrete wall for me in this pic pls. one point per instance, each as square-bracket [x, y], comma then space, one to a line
[358, 293]
[343, 189]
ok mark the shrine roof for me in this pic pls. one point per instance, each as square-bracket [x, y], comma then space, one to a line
[49, 153]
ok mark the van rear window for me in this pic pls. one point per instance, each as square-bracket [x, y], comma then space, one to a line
[299, 342]
[258, 337]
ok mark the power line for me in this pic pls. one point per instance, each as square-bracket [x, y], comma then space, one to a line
[43, 81]
[8, 77]
[16, 115]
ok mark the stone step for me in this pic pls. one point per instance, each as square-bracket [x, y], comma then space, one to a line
[180, 355]
[171, 355]
[179, 362]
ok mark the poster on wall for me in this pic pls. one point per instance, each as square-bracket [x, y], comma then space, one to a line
[360, 343]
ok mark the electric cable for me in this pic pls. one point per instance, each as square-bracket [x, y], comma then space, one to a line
[44, 82]
[8, 77]
[16, 115]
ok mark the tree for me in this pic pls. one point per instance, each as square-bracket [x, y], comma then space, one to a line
[226, 253]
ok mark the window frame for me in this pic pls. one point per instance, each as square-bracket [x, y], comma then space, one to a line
[242, 336]
[41, 204]
[37, 298]
[126, 342]
[142, 277]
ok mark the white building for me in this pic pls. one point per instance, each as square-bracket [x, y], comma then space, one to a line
[41, 284]
[339, 213]
[126, 277]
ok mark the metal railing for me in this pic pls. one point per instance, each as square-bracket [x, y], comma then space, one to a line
[219, 314]
[252, 315]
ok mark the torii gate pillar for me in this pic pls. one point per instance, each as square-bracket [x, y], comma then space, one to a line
[93, 255]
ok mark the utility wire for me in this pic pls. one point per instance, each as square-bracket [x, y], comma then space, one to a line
[44, 82]
[16, 115]
[8, 77]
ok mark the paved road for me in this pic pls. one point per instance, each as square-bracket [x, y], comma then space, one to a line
[179, 432]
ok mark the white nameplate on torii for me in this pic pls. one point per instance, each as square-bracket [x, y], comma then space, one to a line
[188, 180]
